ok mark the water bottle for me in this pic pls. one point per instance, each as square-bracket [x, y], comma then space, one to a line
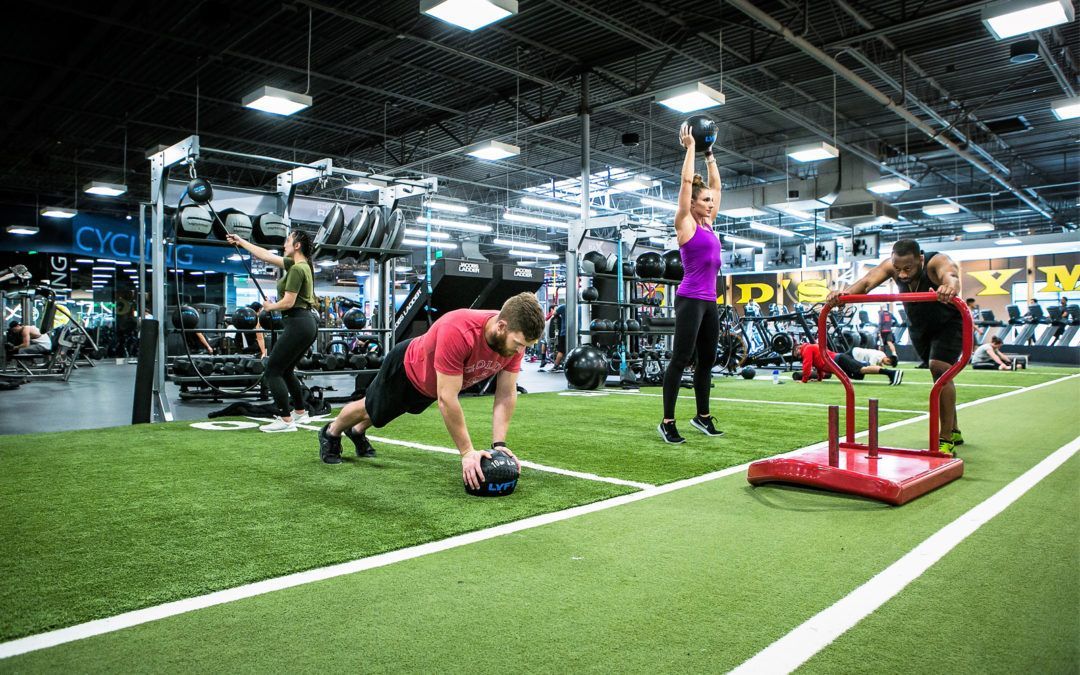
[775, 376]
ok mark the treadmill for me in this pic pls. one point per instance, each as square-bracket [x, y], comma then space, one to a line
[986, 321]
[1016, 319]
[1057, 322]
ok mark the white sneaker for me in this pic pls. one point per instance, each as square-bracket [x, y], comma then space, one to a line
[278, 425]
[301, 418]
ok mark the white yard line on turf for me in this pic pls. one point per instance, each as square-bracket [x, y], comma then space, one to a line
[141, 616]
[451, 451]
[791, 651]
[529, 465]
[804, 404]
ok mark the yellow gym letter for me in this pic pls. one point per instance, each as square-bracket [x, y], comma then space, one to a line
[1059, 279]
[993, 280]
[812, 290]
[746, 293]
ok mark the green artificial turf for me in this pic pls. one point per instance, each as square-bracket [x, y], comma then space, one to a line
[1006, 600]
[699, 579]
[100, 522]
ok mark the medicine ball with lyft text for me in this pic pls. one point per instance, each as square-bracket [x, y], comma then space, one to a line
[236, 222]
[703, 130]
[185, 317]
[354, 319]
[271, 321]
[199, 190]
[245, 318]
[586, 367]
[650, 265]
[590, 294]
[500, 476]
[673, 267]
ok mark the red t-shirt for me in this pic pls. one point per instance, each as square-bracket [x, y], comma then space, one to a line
[455, 345]
[811, 358]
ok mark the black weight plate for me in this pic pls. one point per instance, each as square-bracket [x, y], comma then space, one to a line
[355, 233]
[377, 233]
[396, 229]
[333, 225]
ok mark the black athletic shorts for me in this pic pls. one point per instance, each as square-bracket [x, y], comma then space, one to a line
[941, 341]
[560, 344]
[850, 365]
[886, 338]
[391, 394]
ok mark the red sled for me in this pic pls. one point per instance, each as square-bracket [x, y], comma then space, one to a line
[891, 475]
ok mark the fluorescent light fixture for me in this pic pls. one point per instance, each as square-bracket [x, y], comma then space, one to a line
[453, 224]
[422, 234]
[328, 263]
[276, 101]
[565, 207]
[1066, 108]
[890, 185]
[979, 227]
[813, 152]
[95, 187]
[659, 204]
[744, 212]
[236, 257]
[1009, 18]
[493, 150]
[102, 269]
[663, 241]
[446, 206]
[947, 208]
[55, 212]
[533, 254]
[793, 212]
[434, 244]
[195, 273]
[1007, 241]
[771, 229]
[532, 220]
[22, 229]
[742, 240]
[691, 97]
[509, 243]
[84, 260]
[635, 184]
[121, 263]
[469, 14]
[362, 186]
[200, 285]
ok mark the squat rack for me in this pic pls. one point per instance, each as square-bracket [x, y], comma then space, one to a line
[187, 152]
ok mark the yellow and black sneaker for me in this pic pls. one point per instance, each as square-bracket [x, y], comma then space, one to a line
[957, 437]
[946, 447]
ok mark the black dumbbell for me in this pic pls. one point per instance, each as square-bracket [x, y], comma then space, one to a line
[333, 362]
[358, 361]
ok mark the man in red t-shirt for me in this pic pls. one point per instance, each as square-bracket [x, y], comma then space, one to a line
[813, 365]
[460, 349]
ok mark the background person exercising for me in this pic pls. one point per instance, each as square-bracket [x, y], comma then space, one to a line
[296, 290]
[461, 348]
[936, 327]
[28, 339]
[990, 357]
[813, 365]
[697, 320]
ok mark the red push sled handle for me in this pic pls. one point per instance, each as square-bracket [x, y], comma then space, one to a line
[935, 391]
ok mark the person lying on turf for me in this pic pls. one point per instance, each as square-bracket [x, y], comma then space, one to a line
[813, 365]
[936, 327]
[461, 348]
[872, 357]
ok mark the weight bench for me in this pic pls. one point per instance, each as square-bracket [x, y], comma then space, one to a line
[56, 364]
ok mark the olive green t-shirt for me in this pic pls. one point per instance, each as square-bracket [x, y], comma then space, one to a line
[297, 279]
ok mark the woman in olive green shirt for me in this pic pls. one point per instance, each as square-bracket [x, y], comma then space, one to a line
[296, 293]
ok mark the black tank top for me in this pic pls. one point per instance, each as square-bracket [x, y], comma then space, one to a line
[925, 314]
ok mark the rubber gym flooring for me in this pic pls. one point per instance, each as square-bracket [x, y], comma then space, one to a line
[699, 574]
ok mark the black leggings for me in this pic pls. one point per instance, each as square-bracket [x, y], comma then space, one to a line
[290, 346]
[697, 330]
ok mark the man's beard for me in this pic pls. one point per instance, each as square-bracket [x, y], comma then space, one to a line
[499, 345]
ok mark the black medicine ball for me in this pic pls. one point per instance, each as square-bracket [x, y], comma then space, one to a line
[590, 294]
[703, 130]
[500, 476]
[650, 265]
[354, 319]
[673, 267]
[186, 317]
[748, 373]
[586, 367]
[271, 321]
[245, 318]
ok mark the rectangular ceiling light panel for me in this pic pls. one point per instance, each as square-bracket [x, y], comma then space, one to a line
[469, 14]
[689, 98]
[813, 152]
[276, 101]
[1009, 18]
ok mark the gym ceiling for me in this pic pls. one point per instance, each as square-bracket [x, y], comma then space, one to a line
[402, 93]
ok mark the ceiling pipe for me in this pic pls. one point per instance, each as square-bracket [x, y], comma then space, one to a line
[1055, 68]
[884, 100]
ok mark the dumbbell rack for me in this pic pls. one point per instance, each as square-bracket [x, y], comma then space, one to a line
[377, 333]
[624, 335]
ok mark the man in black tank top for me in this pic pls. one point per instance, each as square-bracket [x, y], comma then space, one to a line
[936, 327]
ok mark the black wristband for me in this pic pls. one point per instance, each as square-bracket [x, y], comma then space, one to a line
[498, 444]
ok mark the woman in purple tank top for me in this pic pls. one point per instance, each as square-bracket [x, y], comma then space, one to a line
[697, 321]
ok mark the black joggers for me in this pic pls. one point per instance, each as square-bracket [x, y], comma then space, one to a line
[697, 331]
[300, 329]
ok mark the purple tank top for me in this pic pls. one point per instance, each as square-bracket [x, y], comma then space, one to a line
[701, 263]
